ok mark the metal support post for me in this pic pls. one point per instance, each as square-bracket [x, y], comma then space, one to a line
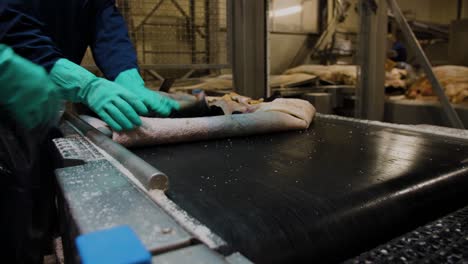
[370, 95]
[459, 9]
[426, 64]
[249, 48]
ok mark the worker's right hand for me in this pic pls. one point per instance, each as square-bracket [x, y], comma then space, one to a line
[156, 102]
[26, 91]
[115, 105]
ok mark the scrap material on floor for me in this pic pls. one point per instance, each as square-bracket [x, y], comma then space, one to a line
[253, 117]
[219, 83]
[295, 77]
[335, 74]
[291, 80]
[395, 75]
[225, 82]
[454, 80]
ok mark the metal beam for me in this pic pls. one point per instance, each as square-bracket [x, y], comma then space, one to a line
[172, 67]
[370, 94]
[426, 64]
[155, 74]
[249, 49]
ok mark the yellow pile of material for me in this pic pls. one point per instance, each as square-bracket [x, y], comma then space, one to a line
[225, 82]
[336, 74]
[454, 80]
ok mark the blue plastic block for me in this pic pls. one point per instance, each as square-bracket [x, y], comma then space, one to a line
[119, 245]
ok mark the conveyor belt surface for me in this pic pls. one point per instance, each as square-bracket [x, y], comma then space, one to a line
[441, 241]
[325, 194]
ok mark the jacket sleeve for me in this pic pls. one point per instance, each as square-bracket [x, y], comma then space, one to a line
[111, 46]
[24, 34]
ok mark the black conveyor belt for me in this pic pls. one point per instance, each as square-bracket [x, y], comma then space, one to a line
[441, 241]
[325, 194]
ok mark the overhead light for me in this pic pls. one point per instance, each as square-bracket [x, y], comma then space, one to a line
[286, 11]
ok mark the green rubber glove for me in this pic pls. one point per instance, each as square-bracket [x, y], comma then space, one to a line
[115, 105]
[156, 102]
[26, 91]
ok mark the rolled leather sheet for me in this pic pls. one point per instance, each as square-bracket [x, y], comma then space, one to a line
[279, 115]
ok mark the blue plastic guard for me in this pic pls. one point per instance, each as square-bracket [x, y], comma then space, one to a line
[118, 245]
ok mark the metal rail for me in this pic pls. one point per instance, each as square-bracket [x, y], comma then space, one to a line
[422, 58]
[150, 177]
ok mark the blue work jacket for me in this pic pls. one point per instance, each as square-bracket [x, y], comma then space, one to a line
[44, 31]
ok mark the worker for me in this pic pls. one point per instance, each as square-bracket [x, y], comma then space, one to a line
[55, 34]
[28, 107]
[397, 51]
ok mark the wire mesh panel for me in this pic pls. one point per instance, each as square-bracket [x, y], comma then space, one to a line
[173, 37]
[179, 34]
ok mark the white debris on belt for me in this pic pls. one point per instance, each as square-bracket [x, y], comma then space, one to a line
[183, 218]
[426, 129]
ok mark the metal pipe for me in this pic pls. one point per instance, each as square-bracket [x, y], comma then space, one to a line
[150, 177]
[426, 64]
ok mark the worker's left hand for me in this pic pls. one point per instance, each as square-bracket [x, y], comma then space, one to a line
[27, 93]
[158, 103]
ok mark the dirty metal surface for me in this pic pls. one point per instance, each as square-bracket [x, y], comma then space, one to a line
[100, 197]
